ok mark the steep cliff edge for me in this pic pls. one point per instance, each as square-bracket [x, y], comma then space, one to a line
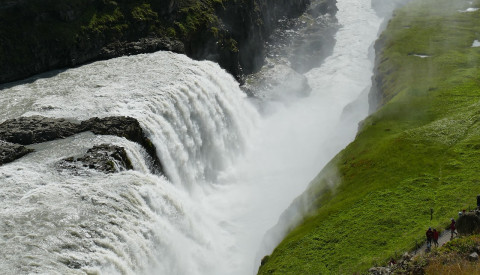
[37, 36]
[418, 151]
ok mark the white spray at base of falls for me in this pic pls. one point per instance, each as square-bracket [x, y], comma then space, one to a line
[231, 172]
[298, 139]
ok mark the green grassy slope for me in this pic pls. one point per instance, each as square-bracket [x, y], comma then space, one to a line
[420, 150]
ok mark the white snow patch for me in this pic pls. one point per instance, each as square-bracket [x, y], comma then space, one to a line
[469, 10]
[421, 55]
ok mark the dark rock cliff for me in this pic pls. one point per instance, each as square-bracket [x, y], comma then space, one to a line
[37, 36]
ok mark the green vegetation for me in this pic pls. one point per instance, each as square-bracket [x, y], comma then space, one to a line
[419, 151]
[452, 258]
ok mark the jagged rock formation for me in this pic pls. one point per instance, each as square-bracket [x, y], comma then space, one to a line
[37, 36]
[126, 127]
[11, 151]
[37, 129]
[105, 158]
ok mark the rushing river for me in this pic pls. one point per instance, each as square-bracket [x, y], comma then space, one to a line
[230, 172]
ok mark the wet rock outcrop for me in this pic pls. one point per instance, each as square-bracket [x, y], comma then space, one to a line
[37, 129]
[105, 158]
[126, 127]
[11, 151]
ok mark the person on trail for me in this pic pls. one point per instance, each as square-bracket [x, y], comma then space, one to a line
[392, 262]
[429, 235]
[452, 228]
[435, 237]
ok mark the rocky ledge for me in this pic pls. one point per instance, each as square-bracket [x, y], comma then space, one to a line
[11, 151]
[126, 127]
[36, 129]
[105, 158]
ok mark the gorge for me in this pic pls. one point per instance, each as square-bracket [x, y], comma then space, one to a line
[164, 164]
[230, 171]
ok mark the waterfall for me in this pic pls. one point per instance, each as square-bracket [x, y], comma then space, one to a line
[132, 222]
[229, 172]
[193, 111]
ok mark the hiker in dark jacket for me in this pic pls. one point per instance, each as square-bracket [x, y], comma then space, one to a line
[435, 237]
[429, 235]
[452, 228]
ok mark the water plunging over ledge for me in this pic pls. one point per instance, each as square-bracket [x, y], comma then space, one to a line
[231, 171]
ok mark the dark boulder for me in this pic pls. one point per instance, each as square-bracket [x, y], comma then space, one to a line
[106, 158]
[121, 126]
[473, 257]
[469, 223]
[36, 129]
[126, 127]
[10, 152]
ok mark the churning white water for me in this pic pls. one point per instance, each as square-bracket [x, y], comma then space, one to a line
[230, 172]
[132, 222]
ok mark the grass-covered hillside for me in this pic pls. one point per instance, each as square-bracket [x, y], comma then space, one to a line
[419, 151]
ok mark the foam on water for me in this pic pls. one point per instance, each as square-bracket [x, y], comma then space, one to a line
[193, 111]
[296, 141]
[56, 221]
[230, 172]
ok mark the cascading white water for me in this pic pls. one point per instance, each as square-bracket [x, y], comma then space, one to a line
[189, 109]
[230, 172]
[299, 138]
[131, 222]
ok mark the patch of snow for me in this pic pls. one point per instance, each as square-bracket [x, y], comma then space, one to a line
[421, 55]
[470, 10]
[475, 44]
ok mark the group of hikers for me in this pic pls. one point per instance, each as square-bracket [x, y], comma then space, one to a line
[432, 235]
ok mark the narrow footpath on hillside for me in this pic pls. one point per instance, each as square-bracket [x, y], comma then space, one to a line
[404, 262]
[443, 238]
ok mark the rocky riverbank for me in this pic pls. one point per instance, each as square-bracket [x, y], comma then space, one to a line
[37, 36]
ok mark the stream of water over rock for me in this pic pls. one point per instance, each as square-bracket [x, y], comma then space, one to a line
[230, 171]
